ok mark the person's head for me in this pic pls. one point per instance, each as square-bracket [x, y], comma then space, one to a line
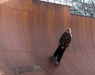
[68, 30]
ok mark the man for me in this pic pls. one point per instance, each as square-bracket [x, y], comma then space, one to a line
[63, 44]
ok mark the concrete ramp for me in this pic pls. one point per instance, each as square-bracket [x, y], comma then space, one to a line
[29, 34]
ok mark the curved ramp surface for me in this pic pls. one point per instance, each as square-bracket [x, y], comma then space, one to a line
[29, 34]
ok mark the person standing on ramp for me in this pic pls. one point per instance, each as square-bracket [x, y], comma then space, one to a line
[64, 43]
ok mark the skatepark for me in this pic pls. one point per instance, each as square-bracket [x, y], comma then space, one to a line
[29, 34]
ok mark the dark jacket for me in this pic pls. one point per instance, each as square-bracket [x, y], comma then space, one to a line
[65, 39]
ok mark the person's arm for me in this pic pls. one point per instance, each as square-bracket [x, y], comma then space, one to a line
[62, 37]
[68, 42]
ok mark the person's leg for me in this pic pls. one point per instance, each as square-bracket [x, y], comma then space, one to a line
[60, 54]
[57, 51]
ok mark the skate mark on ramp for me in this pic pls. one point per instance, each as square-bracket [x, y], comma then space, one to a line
[26, 69]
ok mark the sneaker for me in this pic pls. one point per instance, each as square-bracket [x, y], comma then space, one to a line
[52, 56]
[57, 63]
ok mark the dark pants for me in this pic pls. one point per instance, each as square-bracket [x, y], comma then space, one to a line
[59, 53]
